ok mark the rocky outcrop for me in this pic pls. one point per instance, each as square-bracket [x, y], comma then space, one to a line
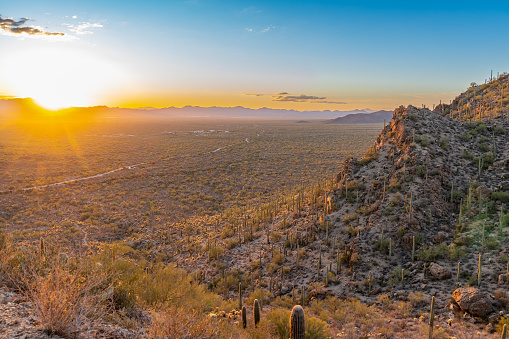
[473, 301]
[439, 272]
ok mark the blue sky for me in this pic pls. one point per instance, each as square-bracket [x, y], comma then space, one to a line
[283, 54]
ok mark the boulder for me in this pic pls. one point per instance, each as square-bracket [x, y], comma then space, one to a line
[439, 272]
[440, 237]
[482, 192]
[473, 301]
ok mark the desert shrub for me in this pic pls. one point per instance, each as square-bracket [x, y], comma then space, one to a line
[503, 321]
[394, 276]
[501, 196]
[499, 130]
[64, 301]
[278, 320]
[183, 323]
[488, 159]
[316, 328]
[417, 298]
[457, 252]
[351, 231]
[483, 146]
[424, 140]
[231, 243]
[467, 155]
[371, 154]
[264, 297]
[465, 137]
[431, 253]
[349, 217]
[383, 245]
[404, 308]
[502, 297]
[444, 142]
[354, 313]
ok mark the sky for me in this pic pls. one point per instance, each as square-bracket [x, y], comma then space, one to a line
[303, 55]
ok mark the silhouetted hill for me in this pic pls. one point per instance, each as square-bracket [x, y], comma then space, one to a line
[363, 118]
[27, 108]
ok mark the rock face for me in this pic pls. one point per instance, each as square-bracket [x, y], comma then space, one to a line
[439, 272]
[473, 301]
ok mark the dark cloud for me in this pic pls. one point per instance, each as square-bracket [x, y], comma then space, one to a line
[303, 98]
[15, 27]
[297, 98]
[254, 95]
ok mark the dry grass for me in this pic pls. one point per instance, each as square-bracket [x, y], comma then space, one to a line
[65, 301]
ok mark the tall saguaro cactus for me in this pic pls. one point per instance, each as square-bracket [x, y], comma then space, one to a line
[256, 312]
[240, 296]
[244, 317]
[297, 323]
[432, 318]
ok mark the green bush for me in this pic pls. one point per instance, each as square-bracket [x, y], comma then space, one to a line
[467, 155]
[465, 137]
[444, 142]
[499, 130]
[431, 253]
[501, 196]
[483, 146]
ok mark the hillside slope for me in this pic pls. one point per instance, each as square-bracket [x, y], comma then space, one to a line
[428, 180]
[363, 118]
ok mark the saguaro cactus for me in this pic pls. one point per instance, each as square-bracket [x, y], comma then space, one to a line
[256, 312]
[297, 323]
[479, 271]
[244, 317]
[240, 296]
[432, 318]
[504, 332]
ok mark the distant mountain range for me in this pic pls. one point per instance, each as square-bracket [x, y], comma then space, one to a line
[363, 118]
[29, 109]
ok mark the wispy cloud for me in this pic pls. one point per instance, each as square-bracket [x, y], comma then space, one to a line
[10, 26]
[285, 96]
[265, 30]
[304, 98]
[84, 27]
[251, 9]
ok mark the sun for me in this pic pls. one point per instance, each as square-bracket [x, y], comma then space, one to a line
[58, 78]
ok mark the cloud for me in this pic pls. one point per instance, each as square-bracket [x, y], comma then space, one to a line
[304, 98]
[254, 95]
[84, 27]
[11, 26]
[265, 30]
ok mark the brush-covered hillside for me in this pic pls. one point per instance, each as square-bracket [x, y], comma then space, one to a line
[409, 241]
